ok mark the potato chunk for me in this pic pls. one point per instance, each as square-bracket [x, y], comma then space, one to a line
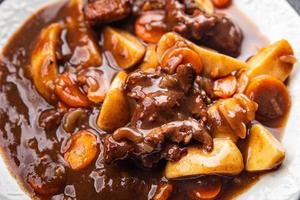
[215, 65]
[230, 116]
[126, 50]
[272, 60]
[115, 109]
[150, 61]
[225, 158]
[264, 151]
[44, 63]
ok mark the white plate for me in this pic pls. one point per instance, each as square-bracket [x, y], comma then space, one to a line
[276, 20]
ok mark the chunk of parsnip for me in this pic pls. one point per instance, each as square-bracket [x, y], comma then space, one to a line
[215, 65]
[225, 159]
[270, 60]
[43, 61]
[150, 61]
[126, 49]
[264, 151]
[115, 109]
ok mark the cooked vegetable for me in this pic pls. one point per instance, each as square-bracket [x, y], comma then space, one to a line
[115, 109]
[44, 63]
[124, 47]
[97, 83]
[264, 151]
[221, 3]
[225, 87]
[215, 65]
[150, 26]
[205, 6]
[272, 60]
[208, 191]
[225, 158]
[176, 56]
[150, 61]
[229, 117]
[83, 150]
[271, 95]
[69, 93]
[220, 127]
[81, 39]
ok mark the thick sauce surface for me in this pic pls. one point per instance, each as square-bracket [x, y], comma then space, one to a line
[26, 146]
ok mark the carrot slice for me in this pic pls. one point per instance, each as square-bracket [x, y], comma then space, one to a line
[221, 3]
[209, 191]
[271, 95]
[82, 151]
[69, 93]
[150, 26]
[174, 57]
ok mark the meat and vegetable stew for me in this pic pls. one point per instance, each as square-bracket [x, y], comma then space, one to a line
[144, 99]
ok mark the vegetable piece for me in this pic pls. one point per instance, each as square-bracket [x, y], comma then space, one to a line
[82, 43]
[126, 50]
[271, 95]
[215, 65]
[69, 93]
[221, 3]
[150, 26]
[220, 127]
[115, 111]
[272, 60]
[174, 57]
[230, 116]
[225, 87]
[264, 151]
[96, 82]
[207, 191]
[225, 158]
[163, 192]
[206, 6]
[44, 63]
[83, 150]
[150, 61]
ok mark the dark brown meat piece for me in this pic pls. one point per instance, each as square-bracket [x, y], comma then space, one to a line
[226, 37]
[215, 31]
[106, 11]
[164, 139]
[170, 112]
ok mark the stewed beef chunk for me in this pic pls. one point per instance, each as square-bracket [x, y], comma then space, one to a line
[105, 11]
[170, 112]
[213, 30]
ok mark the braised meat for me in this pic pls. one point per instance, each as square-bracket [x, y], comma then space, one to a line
[105, 11]
[163, 118]
[214, 30]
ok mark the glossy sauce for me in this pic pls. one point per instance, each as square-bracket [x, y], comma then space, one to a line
[24, 144]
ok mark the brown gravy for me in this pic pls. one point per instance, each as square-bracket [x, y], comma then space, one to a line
[23, 142]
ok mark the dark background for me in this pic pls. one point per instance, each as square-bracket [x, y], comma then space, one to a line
[295, 4]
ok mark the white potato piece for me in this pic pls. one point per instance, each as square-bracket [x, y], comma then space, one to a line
[115, 111]
[206, 6]
[264, 151]
[126, 49]
[276, 60]
[225, 159]
[44, 62]
[215, 65]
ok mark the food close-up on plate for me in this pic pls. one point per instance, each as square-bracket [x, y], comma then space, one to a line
[149, 100]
